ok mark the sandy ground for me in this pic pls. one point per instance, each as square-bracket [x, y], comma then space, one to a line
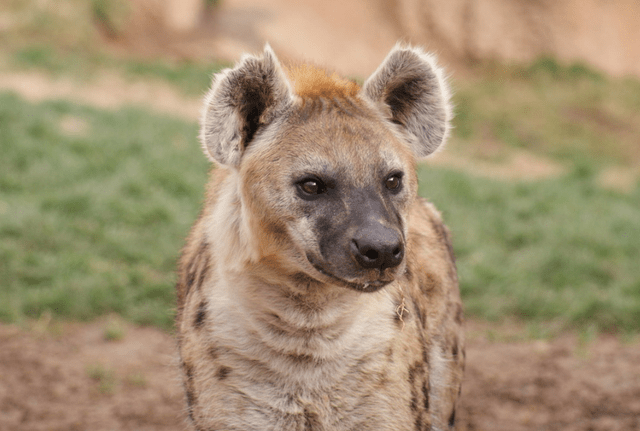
[106, 91]
[68, 377]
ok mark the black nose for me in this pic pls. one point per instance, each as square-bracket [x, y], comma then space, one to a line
[377, 247]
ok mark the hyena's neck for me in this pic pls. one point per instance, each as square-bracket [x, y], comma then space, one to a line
[322, 321]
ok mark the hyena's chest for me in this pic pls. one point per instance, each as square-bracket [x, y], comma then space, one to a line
[250, 377]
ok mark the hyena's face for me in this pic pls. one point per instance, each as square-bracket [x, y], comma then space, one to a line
[338, 184]
[326, 169]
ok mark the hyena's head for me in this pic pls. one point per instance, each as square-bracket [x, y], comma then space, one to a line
[324, 170]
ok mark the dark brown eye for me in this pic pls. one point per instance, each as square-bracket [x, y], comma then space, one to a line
[313, 186]
[393, 182]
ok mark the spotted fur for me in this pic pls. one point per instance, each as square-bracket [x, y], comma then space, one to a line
[334, 309]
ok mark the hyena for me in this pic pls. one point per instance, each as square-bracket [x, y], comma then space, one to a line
[316, 290]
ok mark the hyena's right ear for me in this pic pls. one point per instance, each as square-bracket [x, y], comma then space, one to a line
[241, 101]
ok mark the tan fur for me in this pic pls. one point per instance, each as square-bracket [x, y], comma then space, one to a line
[269, 338]
[314, 82]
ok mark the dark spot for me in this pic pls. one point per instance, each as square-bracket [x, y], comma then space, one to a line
[204, 270]
[414, 401]
[189, 389]
[301, 358]
[276, 230]
[181, 290]
[302, 279]
[201, 315]
[418, 423]
[188, 370]
[428, 282]
[454, 349]
[381, 381]
[223, 372]
[459, 314]
[389, 354]
[191, 277]
[425, 392]
[443, 235]
[197, 264]
[277, 328]
[191, 400]
[413, 374]
[213, 353]
[311, 421]
[452, 419]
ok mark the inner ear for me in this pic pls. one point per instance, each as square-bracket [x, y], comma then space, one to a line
[252, 107]
[402, 96]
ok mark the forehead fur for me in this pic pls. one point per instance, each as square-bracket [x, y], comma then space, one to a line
[313, 82]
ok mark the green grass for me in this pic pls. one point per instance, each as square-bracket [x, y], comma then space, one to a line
[92, 223]
[567, 112]
[561, 249]
[192, 78]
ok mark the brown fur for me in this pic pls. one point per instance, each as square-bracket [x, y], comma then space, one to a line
[280, 326]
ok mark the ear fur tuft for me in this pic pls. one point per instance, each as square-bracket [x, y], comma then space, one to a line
[412, 91]
[241, 101]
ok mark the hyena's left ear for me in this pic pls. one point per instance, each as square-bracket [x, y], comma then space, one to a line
[412, 91]
[240, 103]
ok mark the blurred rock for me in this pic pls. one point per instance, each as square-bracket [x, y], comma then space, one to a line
[352, 36]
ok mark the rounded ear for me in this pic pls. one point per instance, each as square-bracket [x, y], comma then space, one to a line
[241, 101]
[412, 91]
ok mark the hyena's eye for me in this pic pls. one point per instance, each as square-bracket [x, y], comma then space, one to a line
[393, 181]
[312, 186]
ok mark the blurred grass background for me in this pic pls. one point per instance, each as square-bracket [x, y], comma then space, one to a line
[95, 204]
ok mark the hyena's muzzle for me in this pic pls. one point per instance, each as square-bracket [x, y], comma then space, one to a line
[360, 240]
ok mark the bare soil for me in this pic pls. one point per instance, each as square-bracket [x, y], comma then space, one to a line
[107, 91]
[70, 377]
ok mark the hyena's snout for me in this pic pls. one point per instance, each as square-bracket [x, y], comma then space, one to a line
[376, 246]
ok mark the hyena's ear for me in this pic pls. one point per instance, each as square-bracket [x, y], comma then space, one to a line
[241, 101]
[412, 91]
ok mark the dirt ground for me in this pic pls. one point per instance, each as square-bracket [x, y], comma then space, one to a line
[70, 377]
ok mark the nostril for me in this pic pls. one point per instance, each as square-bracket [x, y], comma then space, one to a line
[396, 252]
[371, 254]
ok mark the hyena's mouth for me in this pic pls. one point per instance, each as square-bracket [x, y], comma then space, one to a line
[369, 286]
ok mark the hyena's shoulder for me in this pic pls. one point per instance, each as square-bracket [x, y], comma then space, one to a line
[429, 234]
[196, 261]
[434, 299]
[431, 266]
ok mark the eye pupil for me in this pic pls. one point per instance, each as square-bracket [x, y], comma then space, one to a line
[311, 187]
[393, 182]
